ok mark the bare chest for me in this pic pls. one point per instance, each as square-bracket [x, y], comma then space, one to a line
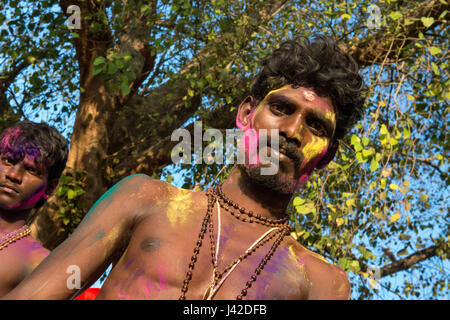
[12, 269]
[155, 265]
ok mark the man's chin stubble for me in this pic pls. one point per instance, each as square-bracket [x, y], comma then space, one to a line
[271, 182]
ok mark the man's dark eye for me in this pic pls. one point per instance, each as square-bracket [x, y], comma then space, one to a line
[7, 160]
[32, 169]
[318, 128]
[279, 109]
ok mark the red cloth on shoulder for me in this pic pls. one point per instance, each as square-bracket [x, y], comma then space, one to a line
[89, 294]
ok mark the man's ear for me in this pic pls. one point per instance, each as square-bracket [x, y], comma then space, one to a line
[331, 152]
[52, 185]
[244, 111]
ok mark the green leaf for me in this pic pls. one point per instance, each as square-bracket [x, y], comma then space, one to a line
[374, 165]
[365, 141]
[359, 157]
[298, 201]
[350, 202]
[435, 68]
[367, 153]
[396, 15]
[355, 266]
[434, 50]
[344, 263]
[99, 61]
[97, 70]
[124, 87]
[407, 21]
[427, 21]
[61, 191]
[306, 208]
[112, 68]
[71, 194]
[393, 141]
[356, 142]
[406, 133]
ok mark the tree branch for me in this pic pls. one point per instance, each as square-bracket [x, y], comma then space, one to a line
[374, 49]
[170, 98]
[409, 261]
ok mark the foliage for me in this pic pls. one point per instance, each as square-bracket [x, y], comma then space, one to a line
[381, 202]
[70, 210]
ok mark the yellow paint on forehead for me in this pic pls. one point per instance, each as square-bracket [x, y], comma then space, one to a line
[314, 148]
[287, 86]
[179, 206]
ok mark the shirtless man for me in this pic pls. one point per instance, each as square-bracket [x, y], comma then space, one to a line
[231, 242]
[32, 157]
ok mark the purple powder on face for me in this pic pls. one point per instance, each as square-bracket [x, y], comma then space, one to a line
[129, 263]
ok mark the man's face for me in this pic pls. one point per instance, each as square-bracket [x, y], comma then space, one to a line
[306, 124]
[22, 182]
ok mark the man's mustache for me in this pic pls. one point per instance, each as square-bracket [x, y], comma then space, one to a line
[290, 149]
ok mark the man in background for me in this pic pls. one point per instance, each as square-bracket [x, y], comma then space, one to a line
[32, 158]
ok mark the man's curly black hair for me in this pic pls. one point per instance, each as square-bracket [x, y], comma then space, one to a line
[322, 66]
[40, 140]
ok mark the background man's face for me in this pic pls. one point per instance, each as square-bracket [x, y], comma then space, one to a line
[306, 124]
[22, 182]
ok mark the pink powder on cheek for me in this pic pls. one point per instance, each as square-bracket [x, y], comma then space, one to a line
[145, 286]
[304, 177]
[33, 199]
[162, 282]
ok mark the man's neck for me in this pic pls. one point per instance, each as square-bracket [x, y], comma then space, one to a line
[10, 221]
[259, 199]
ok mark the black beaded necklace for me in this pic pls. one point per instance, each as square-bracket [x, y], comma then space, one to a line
[216, 194]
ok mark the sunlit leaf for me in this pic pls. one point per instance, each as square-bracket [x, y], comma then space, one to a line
[395, 217]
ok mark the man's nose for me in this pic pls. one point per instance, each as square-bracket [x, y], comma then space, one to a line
[292, 128]
[15, 173]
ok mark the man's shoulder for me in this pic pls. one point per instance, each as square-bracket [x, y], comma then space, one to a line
[141, 186]
[326, 279]
[144, 189]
